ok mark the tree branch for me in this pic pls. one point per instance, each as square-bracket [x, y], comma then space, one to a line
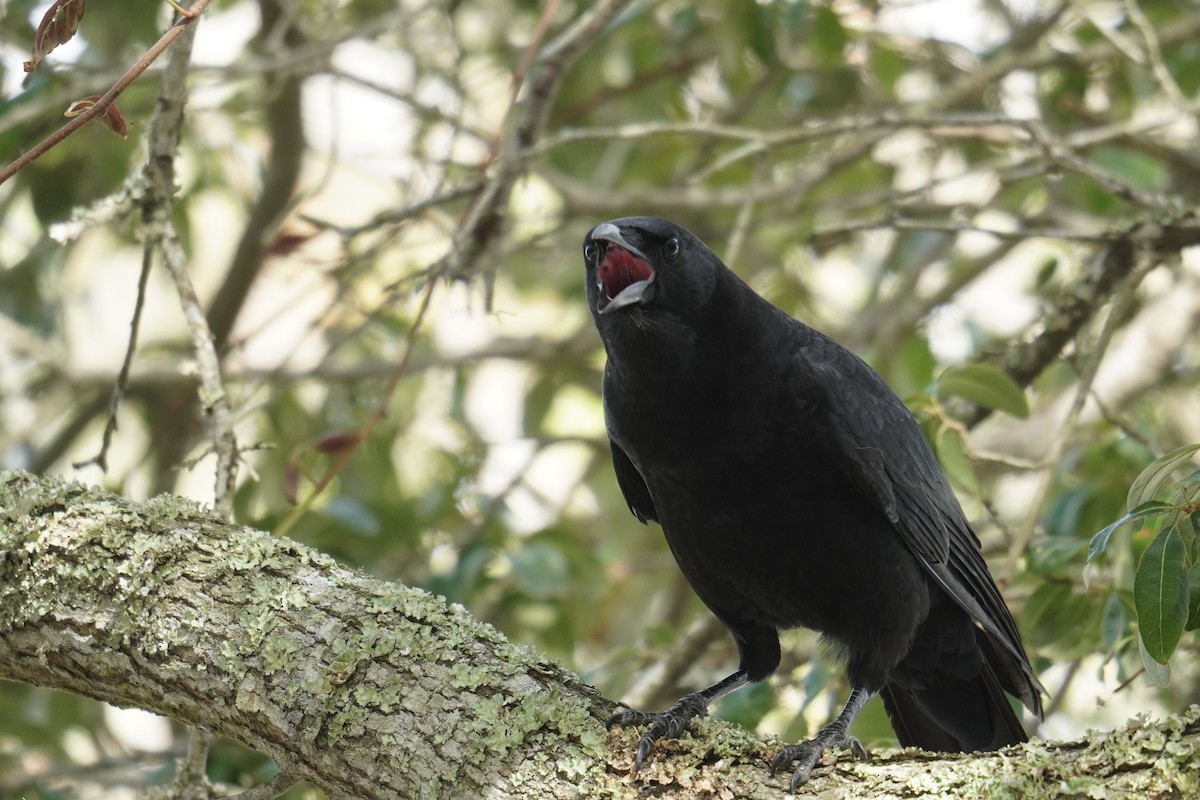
[281, 174]
[366, 689]
[100, 107]
[374, 690]
[165, 133]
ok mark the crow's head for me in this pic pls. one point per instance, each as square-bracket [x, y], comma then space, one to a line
[646, 265]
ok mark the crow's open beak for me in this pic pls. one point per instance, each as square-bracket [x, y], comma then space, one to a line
[624, 273]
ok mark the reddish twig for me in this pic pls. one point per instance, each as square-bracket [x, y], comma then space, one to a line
[102, 105]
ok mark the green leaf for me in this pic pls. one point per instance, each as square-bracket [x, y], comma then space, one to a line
[353, 516]
[952, 455]
[1057, 555]
[1099, 542]
[795, 15]
[1055, 607]
[1113, 623]
[983, 385]
[541, 570]
[1159, 674]
[829, 37]
[1193, 621]
[887, 67]
[1160, 595]
[1143, 171]
[1149, 508]
[1186, 524]
[1154, 476]
[1046, 272]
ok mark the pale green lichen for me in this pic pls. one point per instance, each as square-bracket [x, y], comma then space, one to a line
[487, 706]
[35, 511]
[468, 675]
[282, 654]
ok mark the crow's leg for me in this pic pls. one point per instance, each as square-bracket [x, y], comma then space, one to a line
[831, 736]
[674, 721]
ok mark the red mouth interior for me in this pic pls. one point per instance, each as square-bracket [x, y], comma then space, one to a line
[620, 269]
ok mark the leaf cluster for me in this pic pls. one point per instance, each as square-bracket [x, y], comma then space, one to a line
[1166, 582]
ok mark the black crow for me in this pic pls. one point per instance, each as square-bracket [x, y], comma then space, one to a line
[795, 489]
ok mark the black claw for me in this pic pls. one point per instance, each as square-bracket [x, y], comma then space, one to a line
[644, 746]
[857, 750]
[669, 724]
[807, 754]
[799, 778]
[781, 760]
[804, 769]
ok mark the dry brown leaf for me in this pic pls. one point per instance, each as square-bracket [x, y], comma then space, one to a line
[112, 118]
[58, 25]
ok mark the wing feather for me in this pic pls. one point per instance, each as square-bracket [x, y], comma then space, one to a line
[633, 486]
[878, 443]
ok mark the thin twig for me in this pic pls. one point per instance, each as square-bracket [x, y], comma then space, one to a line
[212, 392]
[483, 220]
[270, 789]
[1154, 52]
[896, 222]
[122, 384]
[101, 106]
[165, 132]
[193, 767]
[741, 226]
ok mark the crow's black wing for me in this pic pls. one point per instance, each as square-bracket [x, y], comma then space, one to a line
[879, 445]
[632, 485]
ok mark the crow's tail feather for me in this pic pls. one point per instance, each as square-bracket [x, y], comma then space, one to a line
[954, 714]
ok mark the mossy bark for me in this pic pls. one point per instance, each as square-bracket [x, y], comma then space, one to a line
[373, 690]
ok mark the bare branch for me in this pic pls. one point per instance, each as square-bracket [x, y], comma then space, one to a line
[122, 383]
[285, 127]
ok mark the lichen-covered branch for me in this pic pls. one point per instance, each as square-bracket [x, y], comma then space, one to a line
[372, 690]
[364, 688]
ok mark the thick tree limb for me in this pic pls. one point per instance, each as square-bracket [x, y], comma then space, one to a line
[373, 690]
[364, 688]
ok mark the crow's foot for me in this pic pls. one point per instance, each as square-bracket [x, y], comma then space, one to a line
[669, 724]
[808, 753]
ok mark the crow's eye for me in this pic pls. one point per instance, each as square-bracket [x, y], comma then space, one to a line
[672, 247]
[590, 251]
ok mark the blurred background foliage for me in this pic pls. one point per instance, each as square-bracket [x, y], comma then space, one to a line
[935, 183]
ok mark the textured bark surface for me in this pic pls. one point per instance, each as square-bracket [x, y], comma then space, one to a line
[365, 688]
[368, 689]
